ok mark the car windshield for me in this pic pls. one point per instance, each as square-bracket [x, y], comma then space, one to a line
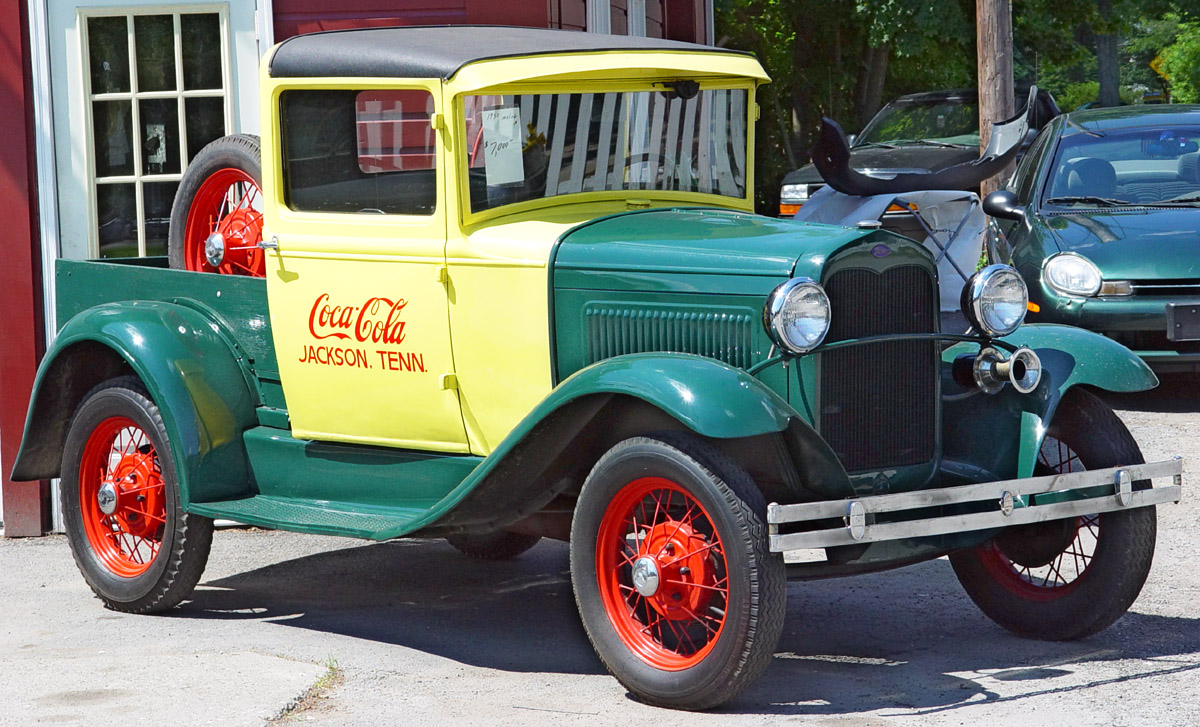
[946, 121]
[1144, 166]
[533, 146]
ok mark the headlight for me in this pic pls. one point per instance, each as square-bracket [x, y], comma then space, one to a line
[994, 300]
[797, 315]
[1072, 274]
[793, 193]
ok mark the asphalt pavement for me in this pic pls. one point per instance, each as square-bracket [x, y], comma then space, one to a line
[323, 631]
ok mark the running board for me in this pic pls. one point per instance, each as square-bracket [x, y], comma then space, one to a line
[1011, 498]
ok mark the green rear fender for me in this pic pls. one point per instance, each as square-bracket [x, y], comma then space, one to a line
[192, 373]
[1071, 357]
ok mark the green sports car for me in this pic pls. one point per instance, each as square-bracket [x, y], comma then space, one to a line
[1102, 219]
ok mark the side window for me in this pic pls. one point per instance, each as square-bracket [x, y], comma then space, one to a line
[370, 152]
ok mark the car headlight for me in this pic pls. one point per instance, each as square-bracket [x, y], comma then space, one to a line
[796, 315]
[1072, 274]
[995, 300]
[793, 193]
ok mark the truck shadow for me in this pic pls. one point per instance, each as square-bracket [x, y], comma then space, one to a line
[904, 640]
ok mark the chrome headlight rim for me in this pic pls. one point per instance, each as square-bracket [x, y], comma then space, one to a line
[1062, 290]
[972, 299]
[774, 308]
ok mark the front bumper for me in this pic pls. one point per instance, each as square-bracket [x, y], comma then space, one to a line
[852, 521]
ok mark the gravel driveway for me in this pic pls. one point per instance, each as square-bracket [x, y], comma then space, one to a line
[412, 633]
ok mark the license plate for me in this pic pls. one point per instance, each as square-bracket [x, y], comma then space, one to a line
[1183, 322]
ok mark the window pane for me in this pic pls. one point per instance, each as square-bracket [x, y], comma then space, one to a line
[323, 170]
[116, 208]
[108, 54]
[112, 122]
[157, 198]
[160, 135]
[201, 35]
[205, 122]
[154, 48]
[393, 131]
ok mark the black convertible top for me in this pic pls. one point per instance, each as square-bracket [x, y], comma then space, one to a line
[439, 51]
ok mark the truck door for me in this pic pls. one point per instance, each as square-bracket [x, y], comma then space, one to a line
[359, 311]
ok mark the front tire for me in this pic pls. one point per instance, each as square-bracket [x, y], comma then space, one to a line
[135, 546]
[1067, 579]
[675, 585]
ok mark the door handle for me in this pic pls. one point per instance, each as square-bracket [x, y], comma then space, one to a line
[272, 244]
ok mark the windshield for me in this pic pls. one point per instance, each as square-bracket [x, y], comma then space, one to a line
[1126, 167]
[533, 146]
[951, 122]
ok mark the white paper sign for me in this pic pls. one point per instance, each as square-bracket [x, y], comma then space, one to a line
[502, 157]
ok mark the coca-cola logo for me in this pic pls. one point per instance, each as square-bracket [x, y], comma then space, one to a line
[378, 320]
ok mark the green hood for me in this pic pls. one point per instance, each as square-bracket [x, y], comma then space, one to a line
[1164, 243]
[680, 248]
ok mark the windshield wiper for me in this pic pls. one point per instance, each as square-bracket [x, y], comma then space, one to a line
[880, 144]
[1187, 201]
[1102, 201]
[944, 144]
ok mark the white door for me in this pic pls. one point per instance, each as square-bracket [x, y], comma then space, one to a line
[137, 89]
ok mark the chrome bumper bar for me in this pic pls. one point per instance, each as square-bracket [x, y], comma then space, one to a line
[1011, 498]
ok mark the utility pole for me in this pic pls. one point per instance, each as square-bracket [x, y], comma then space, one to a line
[993, 35]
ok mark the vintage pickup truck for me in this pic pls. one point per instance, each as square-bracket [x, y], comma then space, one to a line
[502, 284]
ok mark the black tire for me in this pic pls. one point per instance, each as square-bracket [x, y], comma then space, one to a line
[500, 545]
[183, 540]
[236, 151]
[687, 675]
[1122, 544]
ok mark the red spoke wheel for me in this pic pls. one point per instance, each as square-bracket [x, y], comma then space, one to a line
[216, 219]
[676, 587]
[1067, 579]
[121, 495]
[132, 541]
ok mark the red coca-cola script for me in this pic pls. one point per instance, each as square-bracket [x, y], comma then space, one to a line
[378, 320]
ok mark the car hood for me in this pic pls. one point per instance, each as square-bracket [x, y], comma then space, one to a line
[697, 244]
[908, 158]
[1164, 243]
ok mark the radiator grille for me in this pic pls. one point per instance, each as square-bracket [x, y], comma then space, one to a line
[721, 334]
[879, 401]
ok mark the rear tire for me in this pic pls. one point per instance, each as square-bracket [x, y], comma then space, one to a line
[1067, 579]
[135, 546]
[675, 584]
[501, 545]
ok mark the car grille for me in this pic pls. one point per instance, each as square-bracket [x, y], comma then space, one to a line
[879, 401]
[725, 335]
[1173, 288]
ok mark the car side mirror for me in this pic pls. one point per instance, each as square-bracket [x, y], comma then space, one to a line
[1003, 205]
[851, 139]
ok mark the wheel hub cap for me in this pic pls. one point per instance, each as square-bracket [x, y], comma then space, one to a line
[214, 249]
[106, 498]
[645, 576]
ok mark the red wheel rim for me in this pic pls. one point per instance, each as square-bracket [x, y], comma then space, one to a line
[655, 521]
[1068, 567]
[228, 203]
[119, 458]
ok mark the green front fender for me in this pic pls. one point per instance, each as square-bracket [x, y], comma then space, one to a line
[1071, 357]
[708, 397]
[711, 398]
[199, 385]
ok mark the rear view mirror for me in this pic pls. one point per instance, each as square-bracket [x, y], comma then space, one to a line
[1002, 204]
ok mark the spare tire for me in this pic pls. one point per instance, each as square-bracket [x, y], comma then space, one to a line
[216, 219]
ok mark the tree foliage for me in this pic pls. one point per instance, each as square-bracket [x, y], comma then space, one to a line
[845, 58]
